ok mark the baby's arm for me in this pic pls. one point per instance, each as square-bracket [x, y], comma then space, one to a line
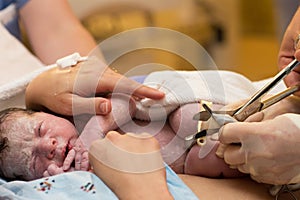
[123, 108]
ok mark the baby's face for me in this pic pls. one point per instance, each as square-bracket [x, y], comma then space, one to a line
[35, 142]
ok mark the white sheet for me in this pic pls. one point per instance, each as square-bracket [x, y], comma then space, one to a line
[15, 62]
[182, 87]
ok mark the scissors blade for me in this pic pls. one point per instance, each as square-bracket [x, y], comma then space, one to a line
[202, 116]
[205, 115]
[221, 119]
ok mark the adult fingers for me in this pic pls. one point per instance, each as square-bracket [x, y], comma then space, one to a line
[114, 82]
[90, 105]
[145, 91]
[128, 86]
[244, 168]
[71, 104]
[234, 155]
[221, 150]
[256, 117]
[235, 132]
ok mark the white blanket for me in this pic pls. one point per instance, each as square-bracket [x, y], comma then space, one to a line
[18, 67]
[182, 87]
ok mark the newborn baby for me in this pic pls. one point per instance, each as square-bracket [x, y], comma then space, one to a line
[30, 142]
[37, 144]
[170, 133]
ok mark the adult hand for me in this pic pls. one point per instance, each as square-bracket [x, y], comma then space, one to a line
[129, 160]
[267, 150]
[287, 51]
[72, 91]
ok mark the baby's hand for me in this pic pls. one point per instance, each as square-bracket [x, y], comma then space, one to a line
[79, 154]
[53, 169]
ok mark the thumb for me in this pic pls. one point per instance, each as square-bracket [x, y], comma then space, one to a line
[91, 105]
[257, 117]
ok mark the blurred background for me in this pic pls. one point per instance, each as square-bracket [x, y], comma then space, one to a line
[240, 35]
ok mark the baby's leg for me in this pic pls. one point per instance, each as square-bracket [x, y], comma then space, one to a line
[131, 166]
[181, 120]
[200, 160]
[209, 165]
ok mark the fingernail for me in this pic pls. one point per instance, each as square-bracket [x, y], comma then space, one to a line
[215, 136]
[232, 167]
[104, 108]
[220, 151]
[220, 132]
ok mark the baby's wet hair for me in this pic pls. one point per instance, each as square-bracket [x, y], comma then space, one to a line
[4, 114]
[8, 111]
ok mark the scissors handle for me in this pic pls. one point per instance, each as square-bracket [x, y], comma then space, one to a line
[261, 105]
[278, 97]
[270, 85]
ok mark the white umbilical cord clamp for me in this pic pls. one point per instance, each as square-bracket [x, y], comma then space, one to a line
[70, 60]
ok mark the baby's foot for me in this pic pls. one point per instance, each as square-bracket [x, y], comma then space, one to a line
[130, 165]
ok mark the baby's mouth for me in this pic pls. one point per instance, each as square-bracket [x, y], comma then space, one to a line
[69, 146]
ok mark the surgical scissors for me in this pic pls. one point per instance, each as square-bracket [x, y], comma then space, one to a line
[253, 105]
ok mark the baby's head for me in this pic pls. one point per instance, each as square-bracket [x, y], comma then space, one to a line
[31, 141]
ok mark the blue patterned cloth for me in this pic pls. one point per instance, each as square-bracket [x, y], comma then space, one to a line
[78, 185]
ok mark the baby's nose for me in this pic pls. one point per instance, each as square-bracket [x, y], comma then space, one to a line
[51, 145]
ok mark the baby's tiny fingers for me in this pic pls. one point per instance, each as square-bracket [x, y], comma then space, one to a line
[53, 169]
[85, 165]
[78, 161]
[69, 159]
[46, 173]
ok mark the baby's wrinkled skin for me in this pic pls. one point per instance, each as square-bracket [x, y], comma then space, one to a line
[35, 142]
[170, 134]
[52, 145]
